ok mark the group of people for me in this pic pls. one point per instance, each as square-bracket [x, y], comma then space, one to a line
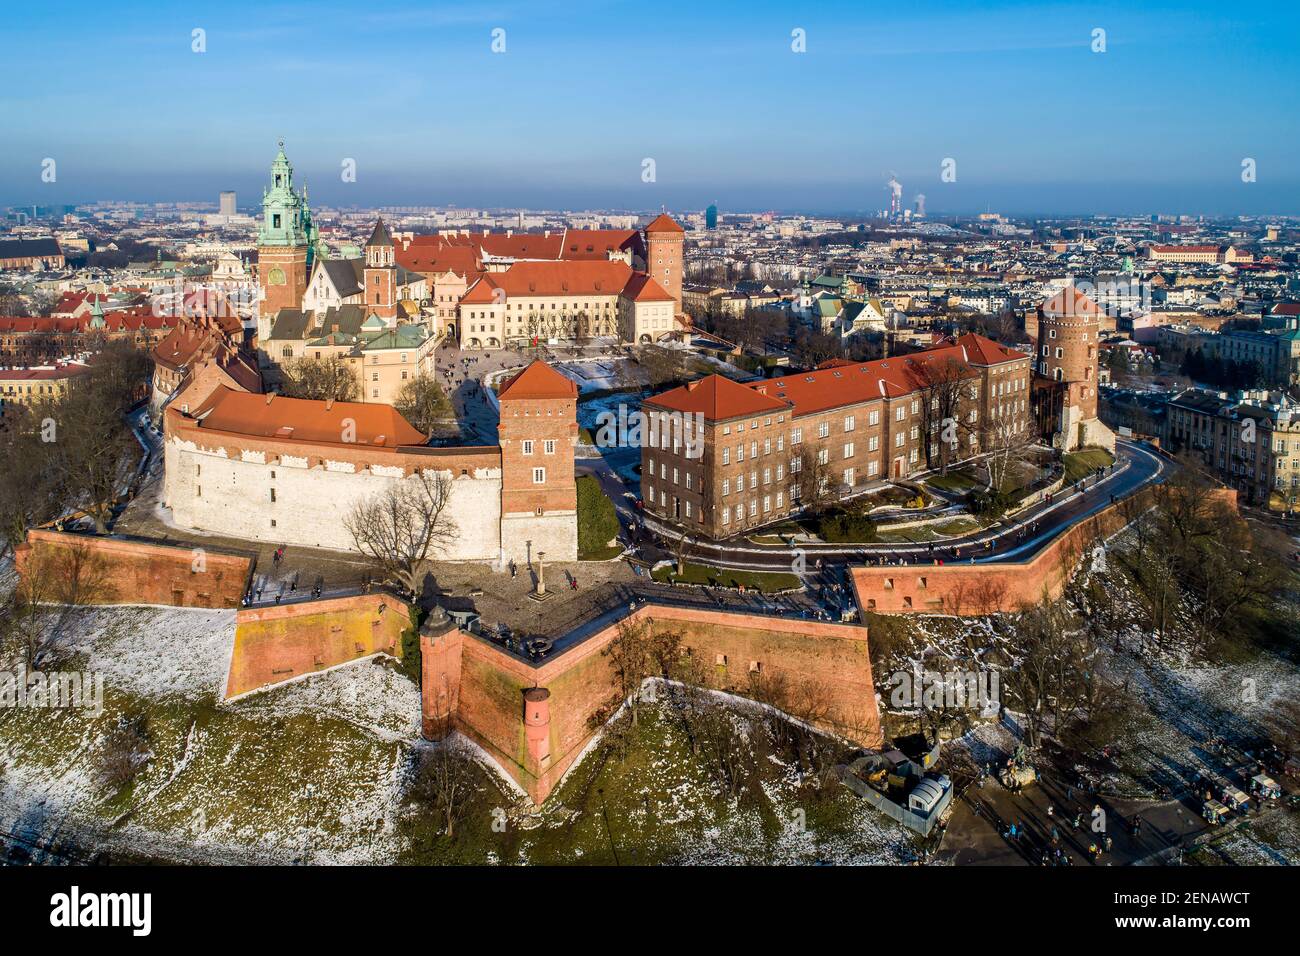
[257, 591]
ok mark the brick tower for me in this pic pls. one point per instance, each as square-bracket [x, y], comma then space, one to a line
[665, 241]
[284, 242]
[381, 274]
[538, 433]
[1069, 328]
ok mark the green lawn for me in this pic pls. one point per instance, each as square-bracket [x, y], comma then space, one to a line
[600, 554]
[1082, 464]
[961, 479]
[597, 522]
[764, 581]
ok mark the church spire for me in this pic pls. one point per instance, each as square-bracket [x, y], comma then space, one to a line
[286, 220]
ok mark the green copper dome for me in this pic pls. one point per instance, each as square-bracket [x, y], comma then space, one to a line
[286, 220]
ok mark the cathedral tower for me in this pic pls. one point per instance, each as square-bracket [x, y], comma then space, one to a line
[284, 241]
[381, 274]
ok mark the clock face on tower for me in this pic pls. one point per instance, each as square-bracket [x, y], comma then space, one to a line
[276, 276]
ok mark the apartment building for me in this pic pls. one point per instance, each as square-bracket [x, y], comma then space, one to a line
[720, 458]
[27, 386]
[1250, 440]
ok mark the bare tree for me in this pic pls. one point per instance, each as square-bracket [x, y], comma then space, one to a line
[812, 477]
[1049, 662]
[444, 781]
[423, 403]
[93, 454]
[123, 752]
[28, 494]
[945, 388]
[630, 661]
[727, 751]
[321, 380]
[1006, 441]
[404, 526]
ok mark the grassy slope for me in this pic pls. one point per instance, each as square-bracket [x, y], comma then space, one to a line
[316, 772]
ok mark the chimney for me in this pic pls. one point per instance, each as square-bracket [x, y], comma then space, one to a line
[270, 397]
[692, 386]
[329, 403]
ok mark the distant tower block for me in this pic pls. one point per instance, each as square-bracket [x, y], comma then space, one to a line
[711, 217]
[227, 204]
[665, 242]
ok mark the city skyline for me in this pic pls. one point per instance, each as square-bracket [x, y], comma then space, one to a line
[1035, 120]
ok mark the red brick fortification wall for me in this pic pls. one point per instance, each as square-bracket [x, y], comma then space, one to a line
[996, 586]
[276, 644]
[537, 739]
[120, 571]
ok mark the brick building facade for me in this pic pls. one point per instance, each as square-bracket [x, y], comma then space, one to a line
[720, 458]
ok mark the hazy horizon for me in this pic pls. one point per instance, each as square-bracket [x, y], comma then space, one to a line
[1013, 92]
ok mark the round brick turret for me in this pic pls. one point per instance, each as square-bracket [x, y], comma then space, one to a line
[537, 722]
[1069, 325]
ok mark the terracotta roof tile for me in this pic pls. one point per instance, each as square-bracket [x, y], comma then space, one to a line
[538, 380]
[300, 420]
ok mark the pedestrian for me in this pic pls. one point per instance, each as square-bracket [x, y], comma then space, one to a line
[1050, 810]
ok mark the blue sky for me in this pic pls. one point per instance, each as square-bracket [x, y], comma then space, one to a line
[1036, 121]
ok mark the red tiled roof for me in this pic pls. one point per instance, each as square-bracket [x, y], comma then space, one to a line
[437, 256]
[1287, 308]
[296, 419]
[832, 384]
[1070, 301]
[525, 279]
[598, 243]
[984, 351]
[43, 373]
[663, 223]
[482, 292]
[718, 399]
[538, 380]
[642, 288]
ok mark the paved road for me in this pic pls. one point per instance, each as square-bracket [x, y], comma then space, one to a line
[1136, 466]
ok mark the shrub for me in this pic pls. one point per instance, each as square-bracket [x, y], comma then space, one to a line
[597, 520]
[846, 526]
